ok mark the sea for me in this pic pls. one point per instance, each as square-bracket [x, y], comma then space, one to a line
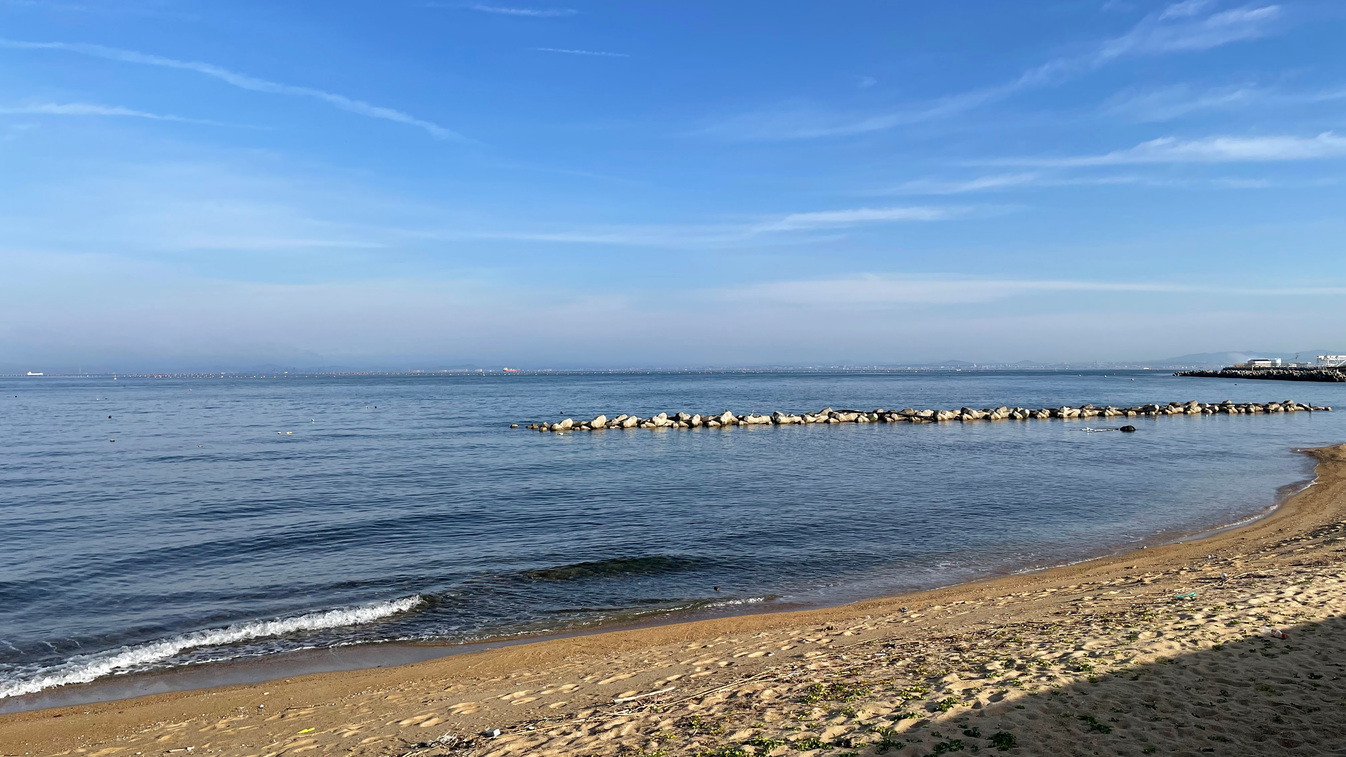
[158, 524]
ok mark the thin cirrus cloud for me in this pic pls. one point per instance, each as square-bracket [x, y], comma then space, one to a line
[1182, 27]
[991, 183]
[91, 109]
[893, 290]
[1169, 103]
[1177, 101]
[501, 10]
[803, 227]
[1009, 182]
[839, 219]
[1266, 149]
[241, 81]
[1192, 30]
[573, 51]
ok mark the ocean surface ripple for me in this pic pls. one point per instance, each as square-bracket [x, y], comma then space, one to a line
[238, 518]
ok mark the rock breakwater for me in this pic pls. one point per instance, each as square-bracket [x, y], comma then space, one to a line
[912, 415]
[1273, 374]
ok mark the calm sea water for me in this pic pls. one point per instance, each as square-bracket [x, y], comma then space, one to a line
[235, 518]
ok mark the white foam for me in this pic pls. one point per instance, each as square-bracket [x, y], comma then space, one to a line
[734, 602]
[86, 668]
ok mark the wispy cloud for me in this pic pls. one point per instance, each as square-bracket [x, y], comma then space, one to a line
[963, 186]
[893, 290]
[526, 12]
[838, 219]
[236, 79]
[1177, 101]
[1007, 182]
[790, 228]
[1208, 150]
[79, 7]
[1182, 27]
[1185, 9]
[90, 109]
[569, 51]
[1169, 103]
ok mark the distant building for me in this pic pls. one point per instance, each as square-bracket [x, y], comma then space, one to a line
[1332, 361]
[1261, 362]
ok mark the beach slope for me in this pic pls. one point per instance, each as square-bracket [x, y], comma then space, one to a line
[1230, 644]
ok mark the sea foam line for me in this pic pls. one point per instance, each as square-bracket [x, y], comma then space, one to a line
[86, 668]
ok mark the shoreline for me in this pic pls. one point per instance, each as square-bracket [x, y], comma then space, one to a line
[394, 653]
[453, 687]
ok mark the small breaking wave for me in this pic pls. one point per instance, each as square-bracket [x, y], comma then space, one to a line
[622, 566]
[743, 601]
[86, 668]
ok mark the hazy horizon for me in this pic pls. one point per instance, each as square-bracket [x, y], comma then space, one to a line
[430, 364]
[596, 184]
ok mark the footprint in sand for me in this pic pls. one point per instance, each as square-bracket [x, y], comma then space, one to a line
[418, 720]
[614, 679]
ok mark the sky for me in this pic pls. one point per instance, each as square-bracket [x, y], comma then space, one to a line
[405, 184]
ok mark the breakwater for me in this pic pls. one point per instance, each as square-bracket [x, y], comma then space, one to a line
[1329, 375]
[912, 415]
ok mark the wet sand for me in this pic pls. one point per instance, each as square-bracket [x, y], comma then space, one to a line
[1172, 649]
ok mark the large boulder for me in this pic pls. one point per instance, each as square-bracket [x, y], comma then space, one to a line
[599, 422]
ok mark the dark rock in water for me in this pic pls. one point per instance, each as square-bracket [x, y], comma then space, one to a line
[909, 415]
[1328, 374]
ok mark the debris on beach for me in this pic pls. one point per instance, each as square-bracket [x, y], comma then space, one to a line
[910, 415]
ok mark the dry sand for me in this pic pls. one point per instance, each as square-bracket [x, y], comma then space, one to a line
[1162, 651]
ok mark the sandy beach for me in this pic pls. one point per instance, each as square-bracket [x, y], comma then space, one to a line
[1230, 644]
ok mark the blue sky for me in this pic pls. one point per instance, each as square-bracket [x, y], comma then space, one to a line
[586, 184]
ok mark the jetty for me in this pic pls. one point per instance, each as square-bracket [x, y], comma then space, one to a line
[665, 421]
[1297, 373]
